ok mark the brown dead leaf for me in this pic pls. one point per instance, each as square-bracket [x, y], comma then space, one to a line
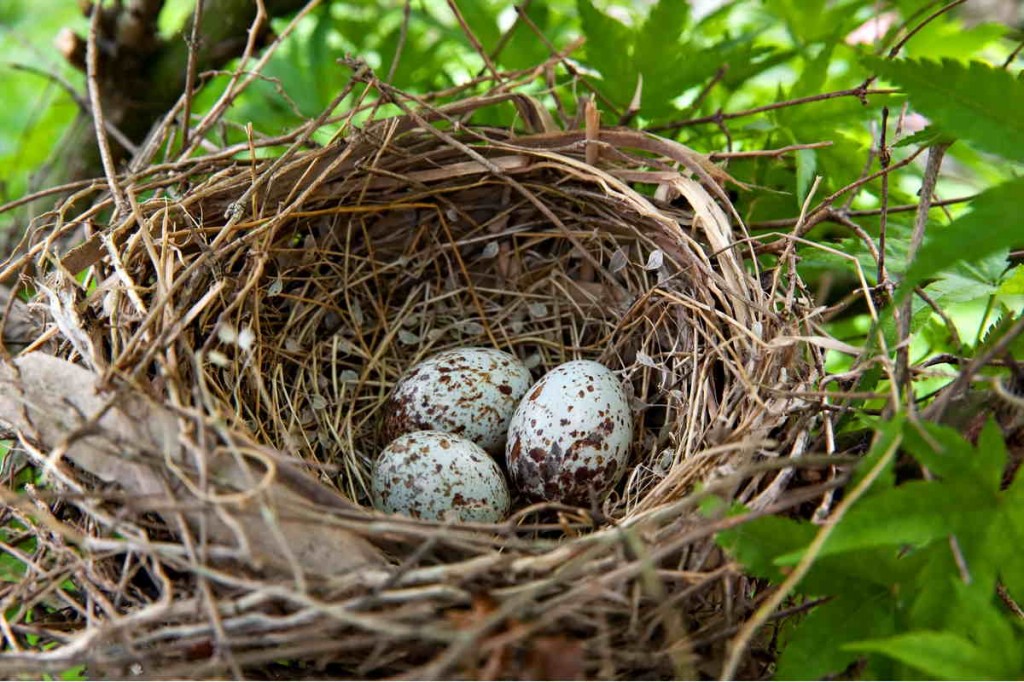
[258, 503]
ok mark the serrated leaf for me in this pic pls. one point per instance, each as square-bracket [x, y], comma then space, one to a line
[913, 513]
[746, 59]
[483, 21]
[661, 31]
[607, 40]
[996, 333]
[928, 137]
[815, 72]
[658, 54]
[991, 456]
[977, 102]
[946, 454]
[806, 167]
[969, 281]
[988, 228]
[888, 434]
[1010, 528]
[942, 655]
[755, 544]
[813, 650]
[1013, 284]
[974, 614]
[524, 50]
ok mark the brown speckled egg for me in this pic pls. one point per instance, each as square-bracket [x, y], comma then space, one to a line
[437, 476]
[570, 435]
[471, 392]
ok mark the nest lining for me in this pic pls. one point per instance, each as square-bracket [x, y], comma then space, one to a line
[271, 307]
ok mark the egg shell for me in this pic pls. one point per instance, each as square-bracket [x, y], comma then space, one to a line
[471, 392]
[437, 476]
[570, 435]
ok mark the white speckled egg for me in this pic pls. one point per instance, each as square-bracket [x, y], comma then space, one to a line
[437, 476]
[471, 392]
[570, 435]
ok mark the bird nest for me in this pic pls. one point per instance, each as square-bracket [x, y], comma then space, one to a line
[200, 406]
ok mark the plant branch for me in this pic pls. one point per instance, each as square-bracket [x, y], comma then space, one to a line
[931, 176]
[860, 92]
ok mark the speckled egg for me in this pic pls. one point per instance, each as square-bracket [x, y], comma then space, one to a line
[471, 392]
[570, 435]
[437, 476]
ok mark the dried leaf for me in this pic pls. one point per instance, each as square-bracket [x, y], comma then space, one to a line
[217, 358]
[128, 443]
[491, 250]
[537, 310]
[471, 328]
[356, 311]
[618, 260]
[645, 359]
[246, 338]
[227, 334]
[276, 287]
[655, 260]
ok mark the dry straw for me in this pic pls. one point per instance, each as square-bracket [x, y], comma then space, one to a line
[202, 393]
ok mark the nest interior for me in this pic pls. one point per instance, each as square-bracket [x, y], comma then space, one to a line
[250, 316]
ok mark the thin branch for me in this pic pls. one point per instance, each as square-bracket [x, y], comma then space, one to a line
[902, 208]
[917, 29]
[772, 153]
[403, 35]
[931, 176]
[190, 72]
[454, 7]
[884, 158]
[824, 210]
[860, 92]
[92, 84]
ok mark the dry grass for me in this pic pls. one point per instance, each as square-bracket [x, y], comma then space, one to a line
[259, 310]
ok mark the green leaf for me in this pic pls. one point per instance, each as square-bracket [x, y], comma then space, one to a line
[970, 281]
[814, 74]
[888, 432]
[1013, 285]
[975, 614]
[806, 166]
[661, 31]
[977, 102]
[942, 655]
[483, 21]
[914, 513]
[928, 137]
[756, 544]
[946, 454]
[524, 49]
[607, 40]
[991, 454]
[813, 650]
[989, 227]
[1010, 528]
